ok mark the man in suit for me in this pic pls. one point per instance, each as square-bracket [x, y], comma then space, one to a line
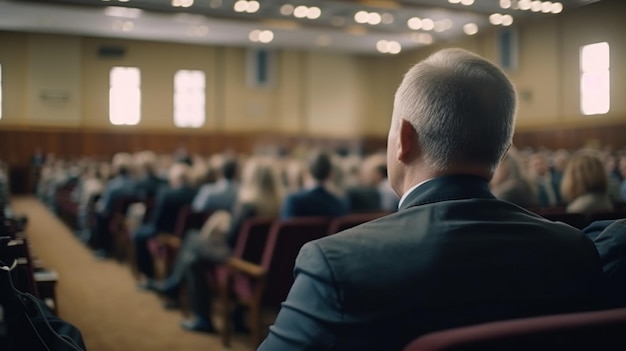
[220, 195]
[163, 218]
[116, 189]
[317, 200]
[452, 255]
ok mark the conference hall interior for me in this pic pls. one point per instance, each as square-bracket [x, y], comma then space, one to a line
[105, 105]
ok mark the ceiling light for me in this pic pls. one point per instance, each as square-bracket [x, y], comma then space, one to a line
[470, 28]
[524, 4]
[314, 13]
[240, 6]
[467, 2]
[253, 6]
[507, 20]
[374, 18]
[414, 23]
[428, 24]
[125, 12]
[546, 7]
[300, 12]
[382, 46]
[254, 35]
[361, 17]
[495, 19]
[286, 10]
[182, 3]
[266, 36]
[556, 7]
[394, 47]
[454, 1]
[505, 4]
[246, 6]
[535, 6]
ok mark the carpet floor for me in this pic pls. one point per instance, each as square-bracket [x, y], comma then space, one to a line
[100, 297]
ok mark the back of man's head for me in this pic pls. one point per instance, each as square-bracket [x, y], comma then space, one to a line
[229, 169]
[320, 166]
[462, 108]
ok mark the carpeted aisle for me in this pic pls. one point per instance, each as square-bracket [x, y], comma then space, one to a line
[101, 298]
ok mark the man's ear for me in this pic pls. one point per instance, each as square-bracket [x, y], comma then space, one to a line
[407, 146]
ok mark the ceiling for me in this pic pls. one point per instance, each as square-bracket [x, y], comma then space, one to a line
[215, 22]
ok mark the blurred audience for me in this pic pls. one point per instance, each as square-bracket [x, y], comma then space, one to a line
[585, 184]
[220, 195]
[163, 218]
[547, 195]
[510, 183]
[316, 199]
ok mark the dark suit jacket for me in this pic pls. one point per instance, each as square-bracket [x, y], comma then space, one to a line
[610, 240]
[168, 203]
[149, 186]
[316, 201]
[452, 255]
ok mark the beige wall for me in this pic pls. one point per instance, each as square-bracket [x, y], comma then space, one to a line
[314, 93]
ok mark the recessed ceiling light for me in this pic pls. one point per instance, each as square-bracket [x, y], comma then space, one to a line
[507, 20]
[125, 12]
[387, 18]
[557, 7]
[428, 24]
[470, 28]
[495, 19]
[505, 4]
[286, 10]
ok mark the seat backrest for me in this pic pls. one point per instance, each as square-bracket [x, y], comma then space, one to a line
[283, 244]
[352, 220]
[252, 238]
[600, 216]
[597, 330]
[188, 219]
[576, 220]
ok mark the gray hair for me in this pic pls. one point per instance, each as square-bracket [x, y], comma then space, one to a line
[461, 106]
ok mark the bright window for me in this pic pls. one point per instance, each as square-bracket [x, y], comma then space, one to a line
[189, 99]
[125, 96]
[595, 87]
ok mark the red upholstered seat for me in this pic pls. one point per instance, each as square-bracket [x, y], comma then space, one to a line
[267, 284]
[597, 330]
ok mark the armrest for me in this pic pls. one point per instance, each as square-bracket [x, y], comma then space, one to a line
[247, 268]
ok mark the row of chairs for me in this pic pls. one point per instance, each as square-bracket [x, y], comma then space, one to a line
[596, 330]
[260, 272]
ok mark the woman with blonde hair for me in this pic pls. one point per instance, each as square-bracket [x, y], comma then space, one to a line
[260, 195]
[585, 184]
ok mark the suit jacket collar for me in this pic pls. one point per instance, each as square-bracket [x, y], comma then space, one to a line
[450, 187]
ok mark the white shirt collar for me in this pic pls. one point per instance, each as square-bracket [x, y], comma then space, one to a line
[411, 189]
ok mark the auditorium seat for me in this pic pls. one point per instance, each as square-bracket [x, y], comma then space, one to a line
[597, 330]
[267, 284]
[248, 248]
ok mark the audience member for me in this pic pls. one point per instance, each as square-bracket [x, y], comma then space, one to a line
[120, 186]
[584, 184]
[373, 192]
[220, 195]
[89, 188]
[610, 239]
[547, 194]
[148, 182]
[260, 195]
[510, 183]
[163, 217]
[316, 200]
[557, 169]
[452, 255]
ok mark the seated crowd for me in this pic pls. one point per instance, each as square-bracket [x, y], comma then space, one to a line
[230, 188]
[452, 255]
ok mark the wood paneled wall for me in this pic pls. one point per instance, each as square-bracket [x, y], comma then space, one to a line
[18, 145]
